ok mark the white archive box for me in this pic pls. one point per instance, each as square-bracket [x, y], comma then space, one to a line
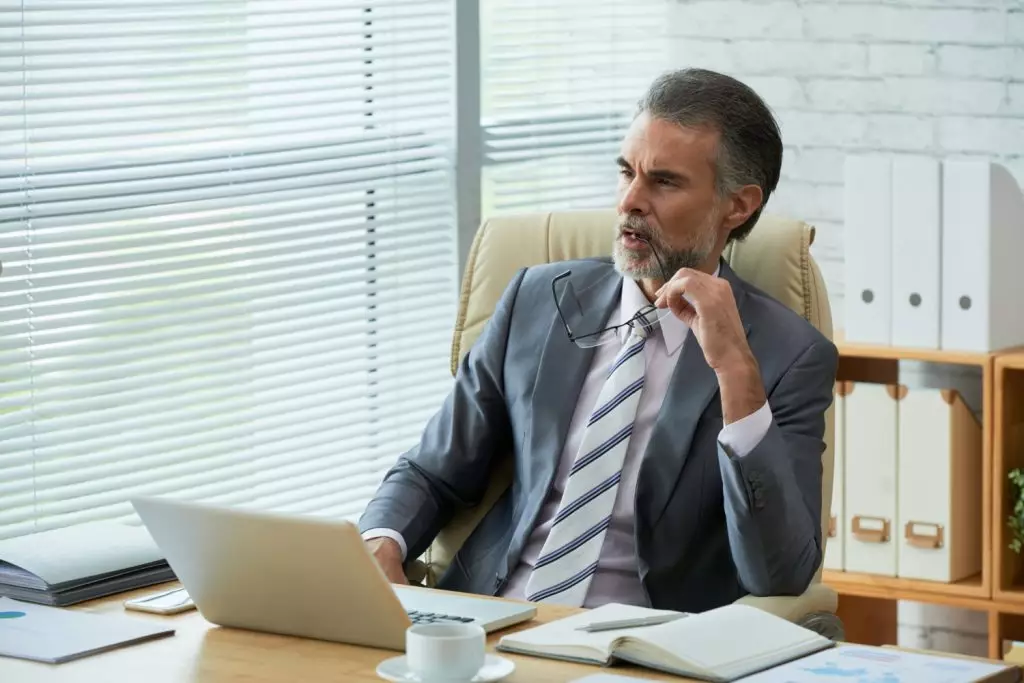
[982, 247]
[867, 244]
[835, 544]
[916, 249]
[939, 452]
[870, 470]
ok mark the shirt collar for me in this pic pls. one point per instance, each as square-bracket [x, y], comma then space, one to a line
[673, 330]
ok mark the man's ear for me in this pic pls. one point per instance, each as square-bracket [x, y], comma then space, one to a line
[742, 204]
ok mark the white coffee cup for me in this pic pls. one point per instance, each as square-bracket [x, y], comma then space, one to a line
[445, 653]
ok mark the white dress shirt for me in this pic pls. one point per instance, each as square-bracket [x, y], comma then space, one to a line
[617, 578]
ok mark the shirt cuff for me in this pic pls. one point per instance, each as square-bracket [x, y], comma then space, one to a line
[388, 533]
[742, 436]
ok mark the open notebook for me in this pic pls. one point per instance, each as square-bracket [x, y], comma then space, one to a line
[722, 644]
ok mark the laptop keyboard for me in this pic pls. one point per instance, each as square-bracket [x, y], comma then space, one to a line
[418, 617]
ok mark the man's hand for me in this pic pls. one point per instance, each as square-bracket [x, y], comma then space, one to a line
[709, 309]
[389, 556]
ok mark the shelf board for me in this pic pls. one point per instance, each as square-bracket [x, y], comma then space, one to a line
[852, 350]
[966, 593]
[1012, 357]
[1013, 360]
[1010, 595]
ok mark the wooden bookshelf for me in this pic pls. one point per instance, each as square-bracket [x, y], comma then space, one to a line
[867, 602]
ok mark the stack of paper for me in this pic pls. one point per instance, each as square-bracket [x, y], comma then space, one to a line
[51, 635]
[82, 562]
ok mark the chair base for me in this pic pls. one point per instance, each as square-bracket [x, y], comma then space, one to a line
[825, 624]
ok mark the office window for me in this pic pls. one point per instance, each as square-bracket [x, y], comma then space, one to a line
[559, 84]
[226, 229]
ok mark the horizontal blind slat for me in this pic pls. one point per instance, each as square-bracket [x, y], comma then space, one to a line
[191, 213]
[229, 251]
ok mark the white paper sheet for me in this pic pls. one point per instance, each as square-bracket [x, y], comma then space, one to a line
[53, 635]
[852, 664]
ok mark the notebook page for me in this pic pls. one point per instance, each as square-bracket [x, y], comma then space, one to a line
[730, 639]
[561, 636]
[80, 551]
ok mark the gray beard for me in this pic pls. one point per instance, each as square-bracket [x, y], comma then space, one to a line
[642, 265]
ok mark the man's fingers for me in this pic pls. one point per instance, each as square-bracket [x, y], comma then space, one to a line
[677, 285]
[394, 572]
[678, 293]
[696, 278]
[691, 281]
[682, 309]
[388, 555]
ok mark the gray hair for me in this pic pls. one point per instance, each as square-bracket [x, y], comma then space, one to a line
[750, 147]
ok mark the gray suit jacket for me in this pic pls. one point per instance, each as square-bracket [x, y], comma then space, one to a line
[710, 527]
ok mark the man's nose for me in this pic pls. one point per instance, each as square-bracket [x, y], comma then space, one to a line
[633, 200]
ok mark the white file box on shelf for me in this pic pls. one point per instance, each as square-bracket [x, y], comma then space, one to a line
[870, 478]
[916, 260]
[867, 255]
[982, 244]
[939, 500]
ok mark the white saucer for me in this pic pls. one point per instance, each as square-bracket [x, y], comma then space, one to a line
[495, 668]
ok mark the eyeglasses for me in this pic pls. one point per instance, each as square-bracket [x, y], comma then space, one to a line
[562, 290]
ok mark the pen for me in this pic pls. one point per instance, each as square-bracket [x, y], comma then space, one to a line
[630, 623]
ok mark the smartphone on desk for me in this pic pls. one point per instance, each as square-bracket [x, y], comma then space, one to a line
[165, 602]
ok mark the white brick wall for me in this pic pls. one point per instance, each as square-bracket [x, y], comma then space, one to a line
[975, 62]
[888, 59]
[900, 22]
[940, 77]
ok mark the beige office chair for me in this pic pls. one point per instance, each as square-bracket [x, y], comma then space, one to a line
[775, 257]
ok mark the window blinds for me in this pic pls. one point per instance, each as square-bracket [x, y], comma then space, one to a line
[226, 229]
[559, 84]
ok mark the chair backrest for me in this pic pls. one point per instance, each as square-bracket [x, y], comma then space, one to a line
[775, 257]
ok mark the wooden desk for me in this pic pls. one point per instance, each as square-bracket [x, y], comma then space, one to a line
[204, 653]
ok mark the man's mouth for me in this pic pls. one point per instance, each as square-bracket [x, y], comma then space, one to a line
[633, 240]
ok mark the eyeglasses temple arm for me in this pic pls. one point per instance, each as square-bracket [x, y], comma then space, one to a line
[558, 308]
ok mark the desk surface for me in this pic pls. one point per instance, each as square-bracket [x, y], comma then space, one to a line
[202, 652]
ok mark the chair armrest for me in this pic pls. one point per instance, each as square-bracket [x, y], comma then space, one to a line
[817, 598]
[418, 573]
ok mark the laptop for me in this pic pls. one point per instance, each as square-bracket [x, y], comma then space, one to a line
[301, 576]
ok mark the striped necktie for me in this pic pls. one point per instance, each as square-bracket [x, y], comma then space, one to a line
[568, 559]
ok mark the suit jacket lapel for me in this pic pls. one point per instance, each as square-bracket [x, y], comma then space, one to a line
[693, 386]
[563, 367]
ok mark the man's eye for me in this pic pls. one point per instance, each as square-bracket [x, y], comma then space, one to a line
[665, 182]
[625, 172]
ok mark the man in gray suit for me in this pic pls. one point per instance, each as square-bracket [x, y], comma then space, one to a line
[665, 417]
